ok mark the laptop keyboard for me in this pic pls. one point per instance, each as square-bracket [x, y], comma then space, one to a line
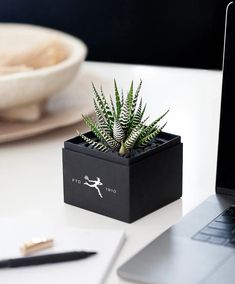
[220, 231]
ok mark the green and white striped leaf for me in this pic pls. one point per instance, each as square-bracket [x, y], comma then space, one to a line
[104, 109]
[124, 116]
[144, 141]
[134, 100]
[99, 146]
[107, 108]
[113, 108]
[110, 141]
[151, 127]
[122, 98]
[93, 127]
[101, 119]
[143, 111]
[137, 117]
[118, 100]
[119, 124]
[130, 98]
[118, 133]
[101, 134]
[132, 138]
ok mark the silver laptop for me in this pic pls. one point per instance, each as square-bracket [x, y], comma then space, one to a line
[201, 248]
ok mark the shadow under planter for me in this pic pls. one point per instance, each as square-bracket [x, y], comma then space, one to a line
[123, 188]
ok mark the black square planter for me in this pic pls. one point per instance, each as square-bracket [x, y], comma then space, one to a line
[123, 188]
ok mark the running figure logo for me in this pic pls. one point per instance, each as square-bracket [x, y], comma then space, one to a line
[94, 183]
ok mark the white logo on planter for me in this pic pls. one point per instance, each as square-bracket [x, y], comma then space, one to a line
[93, 183]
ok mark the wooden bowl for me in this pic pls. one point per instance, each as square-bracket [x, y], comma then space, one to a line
[29, 89]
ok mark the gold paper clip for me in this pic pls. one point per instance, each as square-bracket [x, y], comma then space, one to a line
[36, 244]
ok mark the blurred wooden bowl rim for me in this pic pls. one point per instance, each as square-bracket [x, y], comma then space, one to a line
[35, 86]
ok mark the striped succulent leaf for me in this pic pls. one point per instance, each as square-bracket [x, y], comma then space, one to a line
[143, 111]
[101, 119]
[113, 107]
[109, 140]
[93, 126]
[124, 116]
[107, 108]
[106, 103]
[122, 98]
[144, 141]
[132, 138]
[135, 99]
[151, 127]
[137, 117]
[120, 126]
[130, 98]
[99, 146]
[144, 121]
[100, 133]
[155, 122]
[107, 114]
[118, 133]
[118, 100]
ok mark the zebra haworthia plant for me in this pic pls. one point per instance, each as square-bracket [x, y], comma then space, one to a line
[120, 125]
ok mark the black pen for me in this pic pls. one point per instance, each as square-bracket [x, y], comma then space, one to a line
[44, 259]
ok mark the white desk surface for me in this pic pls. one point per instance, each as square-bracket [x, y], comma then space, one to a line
[31, 170]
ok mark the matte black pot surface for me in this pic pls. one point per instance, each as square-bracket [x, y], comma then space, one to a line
[123, 188]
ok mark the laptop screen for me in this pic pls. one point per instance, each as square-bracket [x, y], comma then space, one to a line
[225, 181]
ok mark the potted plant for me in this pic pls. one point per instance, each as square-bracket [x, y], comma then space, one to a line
[123, 168]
